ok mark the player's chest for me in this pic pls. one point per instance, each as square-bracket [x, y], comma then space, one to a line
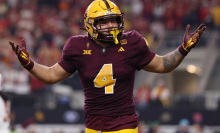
[111, 61]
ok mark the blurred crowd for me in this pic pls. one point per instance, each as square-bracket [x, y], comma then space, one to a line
[157, 96]
[47, 24]
[184, 126]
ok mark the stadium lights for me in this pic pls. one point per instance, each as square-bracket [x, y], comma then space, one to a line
[193, 69]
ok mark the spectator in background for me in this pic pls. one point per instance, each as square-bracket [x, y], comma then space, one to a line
[197, 128]
[4, 111]
[143, 96]
[216, 15]
[183, 126]
[205, 14]
[29, 126]
[157, 29]
[142, 128]
[154, 127]
[161, 93]
[16, 81]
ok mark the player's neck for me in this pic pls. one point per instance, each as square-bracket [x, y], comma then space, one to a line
[103, 44]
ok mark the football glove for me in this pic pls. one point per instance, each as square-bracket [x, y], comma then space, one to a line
[191, 40]
[22, 54]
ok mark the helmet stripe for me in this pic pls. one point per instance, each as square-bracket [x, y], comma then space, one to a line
[107, 5]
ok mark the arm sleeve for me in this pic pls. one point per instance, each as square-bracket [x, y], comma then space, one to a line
[67, 59]
[143, 55]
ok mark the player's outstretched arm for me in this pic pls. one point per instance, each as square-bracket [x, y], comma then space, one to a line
[168, 62]
[48, 75]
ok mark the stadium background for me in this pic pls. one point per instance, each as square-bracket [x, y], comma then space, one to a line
[192, 92]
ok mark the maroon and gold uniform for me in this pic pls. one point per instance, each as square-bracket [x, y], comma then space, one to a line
[107, 76]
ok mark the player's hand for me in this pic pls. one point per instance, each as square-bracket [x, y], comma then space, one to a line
[191, 40]
[22, 54]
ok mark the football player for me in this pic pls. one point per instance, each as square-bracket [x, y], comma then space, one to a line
[4, 111]
[106, 60]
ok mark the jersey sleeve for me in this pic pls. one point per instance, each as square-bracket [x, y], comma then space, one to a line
[142, 55]
[67, 59]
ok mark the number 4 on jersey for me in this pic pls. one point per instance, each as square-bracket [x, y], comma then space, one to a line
[105, 79]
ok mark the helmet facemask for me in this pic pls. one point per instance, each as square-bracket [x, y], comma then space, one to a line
[110, 34]
[102, 10]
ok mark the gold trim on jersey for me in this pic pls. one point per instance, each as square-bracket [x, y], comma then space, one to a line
[146, 42]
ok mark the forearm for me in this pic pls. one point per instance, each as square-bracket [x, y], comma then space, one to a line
[166, 63]
[172, 60]
[43, 73]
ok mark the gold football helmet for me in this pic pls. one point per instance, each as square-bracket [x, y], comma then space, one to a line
[100, 10]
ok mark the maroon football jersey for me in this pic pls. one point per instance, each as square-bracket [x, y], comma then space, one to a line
[107, 74]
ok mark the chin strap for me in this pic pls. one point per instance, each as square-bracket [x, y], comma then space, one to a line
[115, 32]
